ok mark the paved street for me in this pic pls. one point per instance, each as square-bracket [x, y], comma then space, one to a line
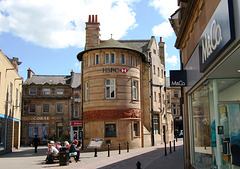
[150, 158]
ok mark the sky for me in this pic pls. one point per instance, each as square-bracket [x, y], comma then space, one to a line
[47, 35]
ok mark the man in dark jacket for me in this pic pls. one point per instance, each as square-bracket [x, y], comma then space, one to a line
[74, 148]
[36, 142]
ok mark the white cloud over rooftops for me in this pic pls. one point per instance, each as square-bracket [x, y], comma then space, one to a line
[61, 23]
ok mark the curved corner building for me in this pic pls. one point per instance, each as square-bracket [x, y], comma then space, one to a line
[116, 91]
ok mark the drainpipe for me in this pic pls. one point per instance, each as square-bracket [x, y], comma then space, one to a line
[151, 96]
[82, 103]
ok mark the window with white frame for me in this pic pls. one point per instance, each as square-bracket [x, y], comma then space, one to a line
[96, 59]
[59, 108]
[107, 58]
[135, 129]
[156, 124]
[110, 88]
[46, 91]
[86, 91]
[135, 90]
[59, 91]
[32, 108]
[112, 58]
[76, 114]
[123, 59]
[32, 91]
[45, 108]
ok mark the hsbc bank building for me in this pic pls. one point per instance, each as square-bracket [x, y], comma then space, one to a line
[123, 91]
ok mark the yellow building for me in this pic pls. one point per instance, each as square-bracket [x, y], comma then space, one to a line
[10, 103]
[123, 91]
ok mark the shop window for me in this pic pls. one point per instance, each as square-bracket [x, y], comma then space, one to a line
[176, 93]
[156, 124]
[32, 91]
[110, 130]
[45, 108]
[123, 59]
[39, 129]
[60, 91]
[135, 90]
[46, 91]
[96, 59]
[86, 91]
[112, 58]
[107, 58]
[2, 134]
[32, 108]
[110, 88]
[59, 108]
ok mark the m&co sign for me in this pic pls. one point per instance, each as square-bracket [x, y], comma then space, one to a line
[114, 70]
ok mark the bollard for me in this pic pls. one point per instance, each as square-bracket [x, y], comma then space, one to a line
[176, 139]
[108, 150]
[173, 145]
[170, 146]
[165, 148]
[127, 147]
[138, 165]
[119, 148]
[95, 155]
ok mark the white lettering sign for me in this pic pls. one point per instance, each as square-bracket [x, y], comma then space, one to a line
[179, 83]
[40, 118]
[211, 41]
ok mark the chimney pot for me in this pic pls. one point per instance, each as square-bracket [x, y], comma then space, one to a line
[95, 18]
[160, 39]
[92, 18]
[89, 18]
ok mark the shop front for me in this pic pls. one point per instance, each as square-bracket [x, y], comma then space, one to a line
[76, 130]
[212, 95]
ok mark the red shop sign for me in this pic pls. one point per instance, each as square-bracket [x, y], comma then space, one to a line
[76, 123]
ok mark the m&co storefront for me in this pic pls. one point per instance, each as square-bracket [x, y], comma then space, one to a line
[212, 95]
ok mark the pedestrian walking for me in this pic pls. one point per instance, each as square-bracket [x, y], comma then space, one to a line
[36, 142]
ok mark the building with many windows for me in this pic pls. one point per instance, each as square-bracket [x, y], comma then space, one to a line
[51, 107]
[208, 38]
[123, 91]
[10, 103]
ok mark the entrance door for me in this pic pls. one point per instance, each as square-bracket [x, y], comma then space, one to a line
[229, 115]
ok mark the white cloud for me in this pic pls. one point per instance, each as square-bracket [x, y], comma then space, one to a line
[78, 65]
[165, 7]
[172, 60]
[163, 30]
[61, 23]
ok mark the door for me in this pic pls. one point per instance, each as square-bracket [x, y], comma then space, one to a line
[229, 115]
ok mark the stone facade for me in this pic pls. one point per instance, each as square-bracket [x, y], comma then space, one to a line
[116, 92]
[10, 104]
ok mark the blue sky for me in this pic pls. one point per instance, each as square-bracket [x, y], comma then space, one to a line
[47, 35]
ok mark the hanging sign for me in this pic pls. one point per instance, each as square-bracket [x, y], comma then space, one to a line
[178, 78]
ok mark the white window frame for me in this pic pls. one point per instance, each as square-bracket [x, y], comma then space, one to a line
[58, 104]
[43, 107]
[46, 91]
[135, 90]
[29, 109]
[59, 91]
[76, 112]
[111, 87]
[32, 91]
[107, 61]
[96, 59]
[123, 59]
[113, 58]
[86, 90]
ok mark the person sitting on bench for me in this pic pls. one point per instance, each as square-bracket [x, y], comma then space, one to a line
[74, 148]
[53, 152]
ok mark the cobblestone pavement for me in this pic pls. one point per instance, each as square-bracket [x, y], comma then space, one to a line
[150, 158]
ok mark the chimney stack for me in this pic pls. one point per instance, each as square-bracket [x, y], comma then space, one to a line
[30, 73]
[92, 32]
[161, 46]
[15, 63]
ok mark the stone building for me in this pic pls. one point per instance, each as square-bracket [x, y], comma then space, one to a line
[10, 103]
[46, 107]
[208, 38]
[123, 91]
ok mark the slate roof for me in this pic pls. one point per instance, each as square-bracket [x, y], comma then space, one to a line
[139, 46]
[76, 80]
[49, 79]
